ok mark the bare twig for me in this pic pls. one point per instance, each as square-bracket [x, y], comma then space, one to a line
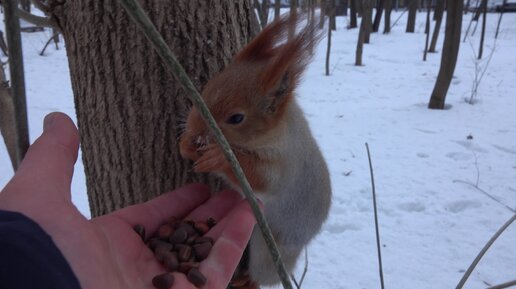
[487, 194]
[378, 247]
[305, 269]
[41, 6]
[500, 18]
[504, 285]
[33, 19]
[483, 251]
[478, 78]
[48, 42]
[398, 19]
[134, 9]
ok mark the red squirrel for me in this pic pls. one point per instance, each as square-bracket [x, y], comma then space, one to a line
[253, 102]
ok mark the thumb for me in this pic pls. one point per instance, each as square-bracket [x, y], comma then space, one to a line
[48, 165]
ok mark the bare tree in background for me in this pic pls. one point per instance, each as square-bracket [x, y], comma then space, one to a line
[365, 26]
[483, 33]
[263, 11]
[129, 108]
[330, 11]
[438, 16]
[412, 11]
[331, 14]
[277, 7]
[353, 14]
[380, 4]
[367, 13]
[25, 5]
[427, 27]
[449, 54]
[388, 10]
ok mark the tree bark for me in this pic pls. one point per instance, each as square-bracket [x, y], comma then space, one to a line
[353, 14]
[378, 15]
[438, 13]
[388, 10]
[427, 28]
[449, 54]
[412, 11]
[129, 108]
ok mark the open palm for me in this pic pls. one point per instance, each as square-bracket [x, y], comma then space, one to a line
[105, 252]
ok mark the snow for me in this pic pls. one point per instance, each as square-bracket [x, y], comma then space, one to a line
[433, 220]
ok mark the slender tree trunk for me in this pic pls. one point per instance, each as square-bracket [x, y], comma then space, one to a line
[479, 9]
[427, 28]
[129, 107]
[388, 10]
[466, 8]
[368, 15]
[322, 18]
[449, 54]
[500, 18]
[328, 48]
[277, 7]
[439, 10]
[330, 11]
[353, 14]
[483, 33]
[412, 11]
[365, 25]
[378, 16]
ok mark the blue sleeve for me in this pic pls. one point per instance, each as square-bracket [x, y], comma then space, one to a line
[29, 258]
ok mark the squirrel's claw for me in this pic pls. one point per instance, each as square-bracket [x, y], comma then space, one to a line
[212, 159]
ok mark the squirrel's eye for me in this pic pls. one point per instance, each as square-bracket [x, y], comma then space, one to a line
[235, 118]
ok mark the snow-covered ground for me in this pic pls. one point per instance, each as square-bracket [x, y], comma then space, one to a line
[433, 221]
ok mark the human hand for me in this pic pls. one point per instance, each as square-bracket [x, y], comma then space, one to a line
[105, 252]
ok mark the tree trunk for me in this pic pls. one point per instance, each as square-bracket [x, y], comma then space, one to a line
[277, 6]
[378, 16]
[438, 13]
[368, 16]
[427, 27]
[263, 11]
[353, 14]
[388, 10]
[129, 107]
[449, 54]
[412, 11]
[328, 48]
[483, 33]
[330, 11]
[365, 26]
[322, 18]
[25, 5]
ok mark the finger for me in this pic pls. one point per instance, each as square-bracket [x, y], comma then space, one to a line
[216, 207]
[48, 165]
[177, 204]
[229, 247]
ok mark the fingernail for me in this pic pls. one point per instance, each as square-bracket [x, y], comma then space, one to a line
[48, 121]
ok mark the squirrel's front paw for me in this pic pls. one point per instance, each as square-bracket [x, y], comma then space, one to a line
[212, 159]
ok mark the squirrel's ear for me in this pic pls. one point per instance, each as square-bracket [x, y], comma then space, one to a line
[283, 71]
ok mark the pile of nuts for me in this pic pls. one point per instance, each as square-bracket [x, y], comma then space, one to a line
[179, 245]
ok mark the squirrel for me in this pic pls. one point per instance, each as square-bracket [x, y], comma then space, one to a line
[253, 102]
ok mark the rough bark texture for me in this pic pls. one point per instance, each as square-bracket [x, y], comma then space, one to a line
[449, 55]
[412, 11]
[129, 107]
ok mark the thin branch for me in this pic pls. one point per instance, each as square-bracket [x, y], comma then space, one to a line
[134, 9]
[487, 194]
[395, 22]
[48, 42]
[483, 251]
[305, 269]
[504, 285]
[33, 19]
[378, 247]
[41, 6]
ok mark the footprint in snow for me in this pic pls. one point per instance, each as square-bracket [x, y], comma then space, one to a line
[412, 207]
[459, 206]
